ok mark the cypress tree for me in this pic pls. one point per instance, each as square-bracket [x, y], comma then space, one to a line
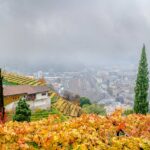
[141, 103]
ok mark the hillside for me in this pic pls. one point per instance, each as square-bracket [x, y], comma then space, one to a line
[17, 79]
[68, 108]
[87, 132]
[64, 106]
[61, 104]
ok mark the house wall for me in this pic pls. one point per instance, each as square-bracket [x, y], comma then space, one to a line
[42, 104]
[40, 96]
[13, 98]
[42, 101]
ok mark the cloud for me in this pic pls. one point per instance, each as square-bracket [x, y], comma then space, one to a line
[39, 33]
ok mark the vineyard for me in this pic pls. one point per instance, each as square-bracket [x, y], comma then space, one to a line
[67, 108]
[64, 106]
[87, 132]
[17, 79]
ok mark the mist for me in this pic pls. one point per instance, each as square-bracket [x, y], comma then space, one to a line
[46, 34]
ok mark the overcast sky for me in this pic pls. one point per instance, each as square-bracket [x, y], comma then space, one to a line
[35, 33]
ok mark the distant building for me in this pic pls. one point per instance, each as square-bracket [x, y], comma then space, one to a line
[107, 101]
[38, 74]
[36, 96]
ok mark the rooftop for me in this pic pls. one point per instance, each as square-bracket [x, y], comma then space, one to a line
[24, 89]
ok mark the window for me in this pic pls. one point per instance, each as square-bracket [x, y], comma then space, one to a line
[44, 94]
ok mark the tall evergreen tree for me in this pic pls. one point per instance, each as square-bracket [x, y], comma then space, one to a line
[142, 84]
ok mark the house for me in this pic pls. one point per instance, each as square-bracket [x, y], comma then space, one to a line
[36, 96]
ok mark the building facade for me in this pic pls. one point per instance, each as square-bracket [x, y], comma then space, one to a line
[36, 96]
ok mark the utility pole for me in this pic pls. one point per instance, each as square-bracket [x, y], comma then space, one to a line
[2, 109]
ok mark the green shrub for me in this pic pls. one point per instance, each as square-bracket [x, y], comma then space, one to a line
[23, 112]
[84, 100]
[54, 99]
[94, 109]
[128, 112]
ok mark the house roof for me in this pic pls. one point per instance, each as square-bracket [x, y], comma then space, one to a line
[24, 89]
[39, 89]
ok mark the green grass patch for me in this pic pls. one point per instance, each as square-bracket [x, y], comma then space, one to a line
[5, 82]
[54, 99]
[40, 114]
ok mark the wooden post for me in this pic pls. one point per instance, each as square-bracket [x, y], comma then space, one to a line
[2, 109]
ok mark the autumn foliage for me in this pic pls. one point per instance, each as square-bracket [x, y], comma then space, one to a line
[87, 132]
